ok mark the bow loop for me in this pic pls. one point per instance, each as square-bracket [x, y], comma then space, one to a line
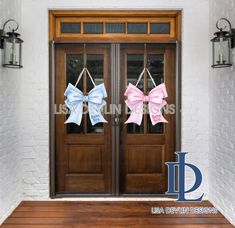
[97, 94]
[158, 93]
[73, 95]
[133, 94]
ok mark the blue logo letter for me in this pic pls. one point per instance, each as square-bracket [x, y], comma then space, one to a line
[181, 178]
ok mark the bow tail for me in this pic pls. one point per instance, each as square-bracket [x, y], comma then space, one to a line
[136, 115]
[156, 113]
[95, 113]
[75, 113]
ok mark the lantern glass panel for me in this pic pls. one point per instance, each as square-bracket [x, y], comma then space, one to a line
[222, 51]
[12, 55]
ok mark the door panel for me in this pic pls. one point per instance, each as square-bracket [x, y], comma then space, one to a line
[146, 148]
[82, 152]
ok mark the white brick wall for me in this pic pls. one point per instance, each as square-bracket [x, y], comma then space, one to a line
[10, 126]
[222, 124]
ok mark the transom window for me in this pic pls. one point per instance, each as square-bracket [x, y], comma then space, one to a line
[113, 26]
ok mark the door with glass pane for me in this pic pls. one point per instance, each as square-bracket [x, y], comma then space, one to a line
[146, 148]
[82, 158]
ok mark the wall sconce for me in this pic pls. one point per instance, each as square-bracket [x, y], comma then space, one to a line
[222, 44]
[11, 45]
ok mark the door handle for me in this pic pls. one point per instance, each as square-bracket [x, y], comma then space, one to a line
[116, 120]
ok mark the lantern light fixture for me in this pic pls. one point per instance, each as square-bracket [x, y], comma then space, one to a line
[11, 45]
[222, 44]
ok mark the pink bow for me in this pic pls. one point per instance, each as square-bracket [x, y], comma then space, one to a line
[136, 98]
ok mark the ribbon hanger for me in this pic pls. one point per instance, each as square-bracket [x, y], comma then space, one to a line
[145, 69]
[141, 74]
[82, 73]
[84, 70]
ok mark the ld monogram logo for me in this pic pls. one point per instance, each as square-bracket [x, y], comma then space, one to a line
[181, 165]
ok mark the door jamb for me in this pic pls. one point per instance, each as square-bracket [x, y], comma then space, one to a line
[52, 118]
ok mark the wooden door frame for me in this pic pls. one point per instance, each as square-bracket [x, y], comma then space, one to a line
[173, 17]
[52, 41]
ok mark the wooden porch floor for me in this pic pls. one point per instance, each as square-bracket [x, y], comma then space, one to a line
[74, 214]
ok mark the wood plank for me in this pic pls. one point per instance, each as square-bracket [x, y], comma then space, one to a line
[73, 214]
[108, 226]
[102, 220]
[36, 226]
[53, 203]
[88, 206]
[69, 214]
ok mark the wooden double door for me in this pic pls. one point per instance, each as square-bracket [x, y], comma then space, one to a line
[113, 158]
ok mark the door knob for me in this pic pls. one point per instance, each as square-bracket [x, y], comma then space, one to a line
[116, 120]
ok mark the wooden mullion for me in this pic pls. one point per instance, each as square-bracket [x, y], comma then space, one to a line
[104, 28]
[126, 27]
[145, 90]
[85, 89]
[82, 31]
[148, 28]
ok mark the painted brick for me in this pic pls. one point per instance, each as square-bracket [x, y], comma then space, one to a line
[222, 125]
[10, 126]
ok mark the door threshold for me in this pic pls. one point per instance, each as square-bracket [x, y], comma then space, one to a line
[114, 199]
[65, 197]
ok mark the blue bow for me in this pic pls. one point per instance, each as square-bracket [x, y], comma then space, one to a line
[75, 99]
